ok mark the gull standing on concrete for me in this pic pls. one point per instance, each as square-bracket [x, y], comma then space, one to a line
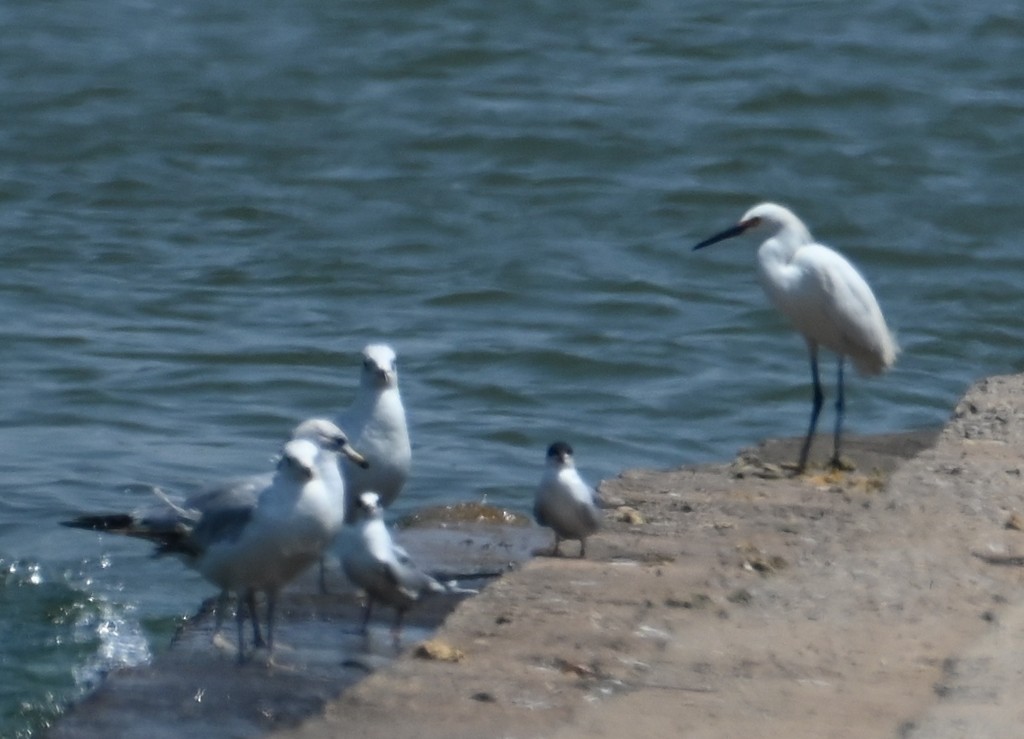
[382, 568]
[564, 502]
[824, 297]
[243, 493]
[246, 538]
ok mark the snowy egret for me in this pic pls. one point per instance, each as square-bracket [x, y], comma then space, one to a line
[824, 297]
[564, 501]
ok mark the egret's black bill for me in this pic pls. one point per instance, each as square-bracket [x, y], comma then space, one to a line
[726, 234]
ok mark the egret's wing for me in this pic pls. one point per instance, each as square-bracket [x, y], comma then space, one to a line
[839, 310]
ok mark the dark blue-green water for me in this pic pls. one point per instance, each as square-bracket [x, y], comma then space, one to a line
[208, 208]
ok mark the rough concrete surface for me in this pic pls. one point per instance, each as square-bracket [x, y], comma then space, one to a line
[735, 600]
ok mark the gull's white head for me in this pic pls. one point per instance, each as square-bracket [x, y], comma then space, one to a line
[380, 366]
[318, 430]
[328, 436]
[369, 505]
[298, 460]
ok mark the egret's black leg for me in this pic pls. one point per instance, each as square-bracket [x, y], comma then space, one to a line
[819, 398]
[840, 407]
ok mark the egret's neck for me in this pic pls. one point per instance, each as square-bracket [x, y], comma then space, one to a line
[775, 258]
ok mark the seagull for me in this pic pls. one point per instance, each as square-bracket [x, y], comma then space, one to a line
[244, 491]
[383, 569]
[376, 422]
[564, 501]
[255, 535]
[824, 297]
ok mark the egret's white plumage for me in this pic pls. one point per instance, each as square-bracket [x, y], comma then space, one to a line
[823, 296]
[563, 501]
[255, 534]
[380, 567]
